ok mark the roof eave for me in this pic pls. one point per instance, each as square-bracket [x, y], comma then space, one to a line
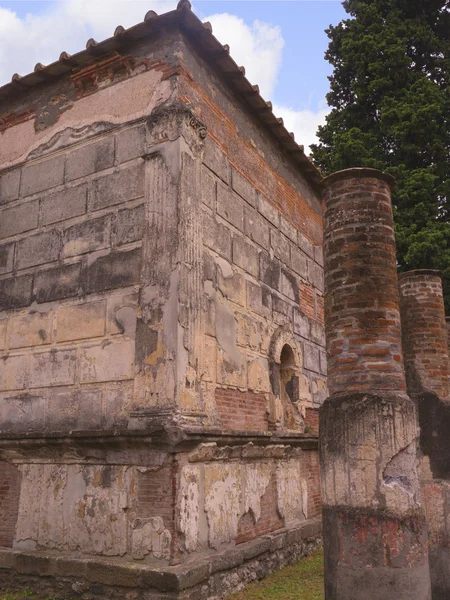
[201, 34]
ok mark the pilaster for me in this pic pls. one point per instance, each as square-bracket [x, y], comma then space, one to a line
[170, 321]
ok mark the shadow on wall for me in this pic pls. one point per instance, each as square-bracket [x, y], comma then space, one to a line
[434, 419]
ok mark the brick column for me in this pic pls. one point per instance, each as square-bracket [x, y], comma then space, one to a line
[425, 345]
[374, 527]
[447, 321]
[362, 304]
[425, 339]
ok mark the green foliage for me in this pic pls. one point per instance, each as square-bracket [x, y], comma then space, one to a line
[390, 101]
[303, 581]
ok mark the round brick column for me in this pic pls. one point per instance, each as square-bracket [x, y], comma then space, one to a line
[425, 339]
[362, 313]
[447, 320]
[374, 530]
[425, 348]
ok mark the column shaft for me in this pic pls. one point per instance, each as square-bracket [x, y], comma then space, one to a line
[425, 344]
[425, 339]
[374, 527]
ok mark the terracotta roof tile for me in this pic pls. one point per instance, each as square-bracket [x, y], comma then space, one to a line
[206, 44]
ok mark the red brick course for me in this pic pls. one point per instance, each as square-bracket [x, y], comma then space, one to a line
[320, 309]
[242, 411]
[425, 339]
[269, 520]
[15, 118]
[447, 320]
[246, 159]
[361, 293]
[312, 419]
[307, 300]
[156, 495]
[310, 466]
[9, 502]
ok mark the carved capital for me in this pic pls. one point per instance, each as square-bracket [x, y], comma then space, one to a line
[169, 122]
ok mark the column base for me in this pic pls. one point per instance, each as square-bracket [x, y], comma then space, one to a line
[440, 573]
[374, 556]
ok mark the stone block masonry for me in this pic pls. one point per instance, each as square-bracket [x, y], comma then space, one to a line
[103, 579]
[257, 281]
[375, 534]
[71, 267]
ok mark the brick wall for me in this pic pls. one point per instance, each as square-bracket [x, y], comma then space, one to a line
[240, 135]
[436, 501]
[310, 466]
[71, 226]
[244, 411]
[312, 419]
[9, 502]
[447, 322]
[435, 498]
[262, 237]
[155, 494]
[261, 273]
[269, 520]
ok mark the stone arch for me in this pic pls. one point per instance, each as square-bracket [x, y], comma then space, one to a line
[285, 360]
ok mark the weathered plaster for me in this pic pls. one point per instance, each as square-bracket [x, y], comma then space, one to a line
[255, 478]
[223, 497]
[190, 506]
[290, 491]
[111, 105]
[86, 509]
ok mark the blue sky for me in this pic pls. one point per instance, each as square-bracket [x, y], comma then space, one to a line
[280, 42]
[302, 80]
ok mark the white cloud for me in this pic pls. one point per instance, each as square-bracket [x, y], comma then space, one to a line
[68, 25]
[100, 17]
[65, 26]
[303, 123]
[257, 47]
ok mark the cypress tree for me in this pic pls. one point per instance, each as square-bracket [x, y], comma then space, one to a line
[390, 101]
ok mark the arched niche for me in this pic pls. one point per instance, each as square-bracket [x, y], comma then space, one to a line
[285, 359]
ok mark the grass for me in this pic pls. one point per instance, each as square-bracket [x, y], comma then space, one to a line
[303, 581]
[25, 595]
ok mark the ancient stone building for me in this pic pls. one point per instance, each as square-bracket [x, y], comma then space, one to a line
[163, 348]
[161, 323]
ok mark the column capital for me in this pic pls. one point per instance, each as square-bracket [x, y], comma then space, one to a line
[169, 122]
[357, 173]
